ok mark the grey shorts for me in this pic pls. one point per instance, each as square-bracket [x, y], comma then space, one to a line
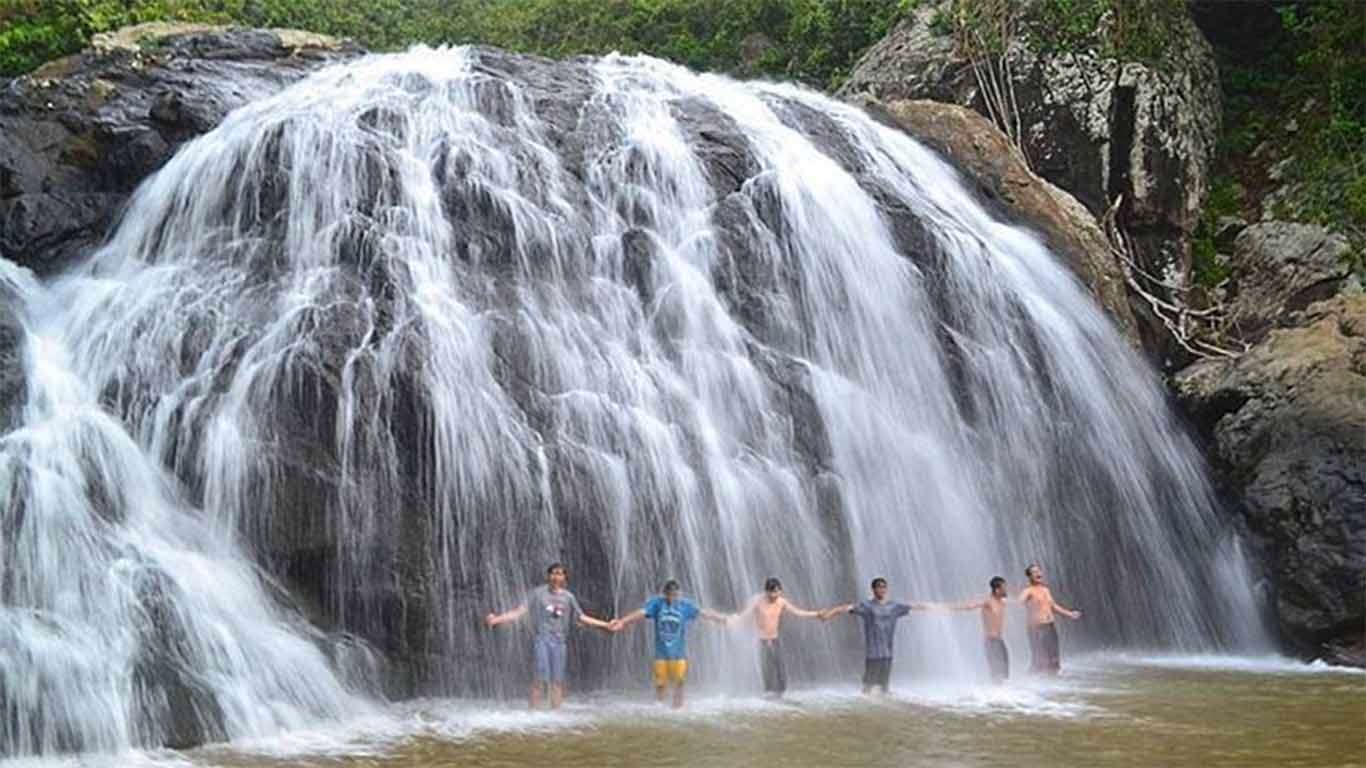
[550, 654]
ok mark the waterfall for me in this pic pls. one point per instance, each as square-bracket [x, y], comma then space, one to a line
[126, 620]
[377, 349]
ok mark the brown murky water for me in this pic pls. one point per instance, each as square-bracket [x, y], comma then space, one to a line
[1105, 712]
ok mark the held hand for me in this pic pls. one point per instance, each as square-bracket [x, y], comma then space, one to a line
[614, 625]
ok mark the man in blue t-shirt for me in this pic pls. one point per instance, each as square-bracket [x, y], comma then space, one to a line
[879, 616]
[671, 614]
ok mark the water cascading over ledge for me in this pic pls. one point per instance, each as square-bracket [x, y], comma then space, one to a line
[413, 328]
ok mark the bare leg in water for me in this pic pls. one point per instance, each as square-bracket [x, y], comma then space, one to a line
[536, 694]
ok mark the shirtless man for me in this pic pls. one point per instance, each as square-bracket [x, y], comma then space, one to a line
[993, 610]
[553, 608]
[1043, 635]
[879, 616]
[768, 610]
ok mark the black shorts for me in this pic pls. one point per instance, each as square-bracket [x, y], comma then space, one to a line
[1043, 648]
[998, 659]
[877, 672]
[771, 664]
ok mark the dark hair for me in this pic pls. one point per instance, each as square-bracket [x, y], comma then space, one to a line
[1030, 567]
[879, 582]
[997, 581]
[772, 583]
[556, 567]
[670, 586]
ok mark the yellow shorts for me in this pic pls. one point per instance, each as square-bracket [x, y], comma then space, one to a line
[670, 671]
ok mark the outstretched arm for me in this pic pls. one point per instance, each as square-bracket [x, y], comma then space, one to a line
[1071, 614]
[712, 616]
[738, 616]
[494, 619]
[589, 621]
[966, 605]
[800, 613]
[835, 610]
[625, 621]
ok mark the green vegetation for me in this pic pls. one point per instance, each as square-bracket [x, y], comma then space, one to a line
[1225, 199]
[816, 41]
[1294, 117]
[1131, 30]
[1330, 47]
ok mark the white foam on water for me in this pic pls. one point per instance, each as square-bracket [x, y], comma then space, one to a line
[1263, 665]
[1023, 697]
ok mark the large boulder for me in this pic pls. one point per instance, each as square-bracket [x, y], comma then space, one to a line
[1098, 126]
[1000, 175]
[1282, 267]
[78, 135]
[1286, 425]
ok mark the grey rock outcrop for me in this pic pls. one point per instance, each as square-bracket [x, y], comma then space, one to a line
[1286, 431]
[1001, 176]
[1099, 127]
[1280, 268]
[79, 134]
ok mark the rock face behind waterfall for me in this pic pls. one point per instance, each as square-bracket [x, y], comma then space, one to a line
[1286, 426]
[1097, 127]
[80, 134]
[11, 358]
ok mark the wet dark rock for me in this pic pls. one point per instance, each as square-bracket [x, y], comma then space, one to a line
[1286, 430]
[78, 135]
[166, 683]
[12, 384]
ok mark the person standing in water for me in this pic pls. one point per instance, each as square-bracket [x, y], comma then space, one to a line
[553, 608]
[993, 610]
[671, 614]
[1043, 634]
[879, 616]
[767, 610]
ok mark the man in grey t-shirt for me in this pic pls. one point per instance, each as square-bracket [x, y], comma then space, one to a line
[553, 609]
[879, 616]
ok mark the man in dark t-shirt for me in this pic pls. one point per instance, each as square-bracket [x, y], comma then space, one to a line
[879, 616]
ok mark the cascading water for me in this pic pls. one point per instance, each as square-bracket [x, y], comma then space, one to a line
[126, 619]
[417, 326]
